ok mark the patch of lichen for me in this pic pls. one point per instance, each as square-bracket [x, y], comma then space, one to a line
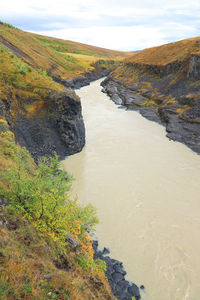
[182, 110]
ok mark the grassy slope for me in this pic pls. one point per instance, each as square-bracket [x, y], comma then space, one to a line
[29, 61]
[28, 258]
[20, 81]
[58, 57]
[33, 267]
[165, 54]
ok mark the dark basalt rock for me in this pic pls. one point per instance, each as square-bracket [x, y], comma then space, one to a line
[106, 251]
[133, 289]
[57, 128]
[117, 277]
[86, 78]
[184, 129]
[72, 242]
[120, 287]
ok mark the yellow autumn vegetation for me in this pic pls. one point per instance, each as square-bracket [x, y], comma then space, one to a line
[36, 259]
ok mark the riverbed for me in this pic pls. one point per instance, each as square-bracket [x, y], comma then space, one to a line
[147, 193]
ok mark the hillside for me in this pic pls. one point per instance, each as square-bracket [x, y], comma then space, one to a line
[163, 84]
[168, 53]
[46, 118]
[44, 115]
[60, 58]
[45, 250]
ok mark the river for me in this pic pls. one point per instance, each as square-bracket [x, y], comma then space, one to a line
[147, 193]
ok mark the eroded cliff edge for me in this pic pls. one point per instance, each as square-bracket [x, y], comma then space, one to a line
[163, 84]
[56, 128]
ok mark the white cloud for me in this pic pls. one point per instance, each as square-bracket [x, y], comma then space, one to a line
[45, 8]
[130, 38]
[117, 24]
[91, 9]
[125, 37]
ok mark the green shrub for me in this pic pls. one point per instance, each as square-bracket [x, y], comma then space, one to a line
[87, 264]
[22, 72]
[44, 197]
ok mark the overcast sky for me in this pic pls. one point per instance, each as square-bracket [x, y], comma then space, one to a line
[114, 24]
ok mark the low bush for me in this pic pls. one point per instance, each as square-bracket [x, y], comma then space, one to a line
[44, 197]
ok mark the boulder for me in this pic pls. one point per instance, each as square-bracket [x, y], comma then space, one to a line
[72, 242]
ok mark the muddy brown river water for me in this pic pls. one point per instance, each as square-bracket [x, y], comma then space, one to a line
[147, 193]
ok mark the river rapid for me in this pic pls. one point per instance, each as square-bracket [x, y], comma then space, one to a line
[147, 193]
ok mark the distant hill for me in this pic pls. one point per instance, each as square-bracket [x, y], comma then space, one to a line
[168, 53]
[58, 57]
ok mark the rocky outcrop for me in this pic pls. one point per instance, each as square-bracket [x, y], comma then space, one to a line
[120, 287]
[194, 67]
[128, 98]
[183, 127]
[159, 70]
[57, 128]
[180, 128]
[101, 69]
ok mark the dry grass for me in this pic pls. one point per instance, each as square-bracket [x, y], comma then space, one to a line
[147, 70]
[56, 56]
[168, 53]
[22, 87]
[182, 109]
[28, 62]
[15, 74]
[33, 267]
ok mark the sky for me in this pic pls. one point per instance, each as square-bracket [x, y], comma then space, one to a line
[115, 24]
